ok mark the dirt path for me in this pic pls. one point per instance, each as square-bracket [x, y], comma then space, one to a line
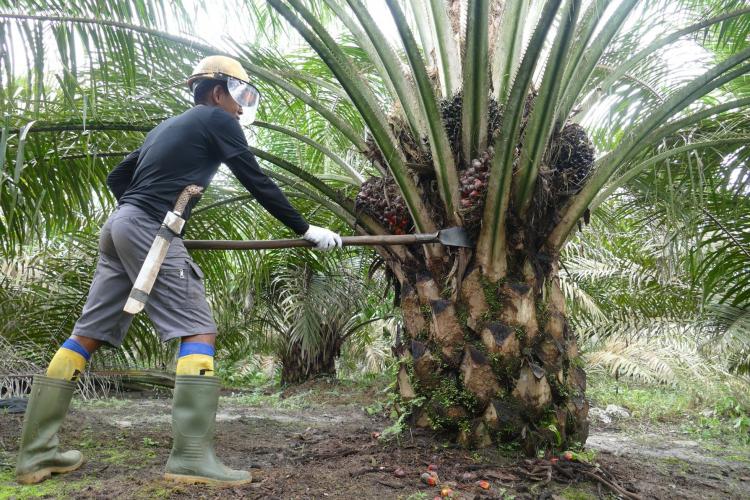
[318, 443]
[667, 466]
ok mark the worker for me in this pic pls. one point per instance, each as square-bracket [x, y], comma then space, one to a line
[180, 151]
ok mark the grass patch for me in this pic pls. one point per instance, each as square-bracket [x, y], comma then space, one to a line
[368, 381]
[662, 404]
[238, 378]
[56, 487]
[155, 491]
[259, 398]
[730, 432]
[711, 415]
[121, 448]
[100, 403]
[677, 463]
[118, 455]
[320, 391]
[576, 493]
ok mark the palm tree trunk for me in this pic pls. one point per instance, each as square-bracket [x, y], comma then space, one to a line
[493, 362]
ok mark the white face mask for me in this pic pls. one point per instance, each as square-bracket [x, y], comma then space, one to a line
[248, 115]
[247, 96]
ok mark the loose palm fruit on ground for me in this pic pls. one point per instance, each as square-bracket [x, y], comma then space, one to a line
[428, 479]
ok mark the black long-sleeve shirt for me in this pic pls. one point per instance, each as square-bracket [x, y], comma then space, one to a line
[119, 179]
[188, 149]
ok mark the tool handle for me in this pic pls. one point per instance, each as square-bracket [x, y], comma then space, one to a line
[369, 240]
[184, 198]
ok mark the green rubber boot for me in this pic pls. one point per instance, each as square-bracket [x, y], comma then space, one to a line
[38, 457]
[193, 459]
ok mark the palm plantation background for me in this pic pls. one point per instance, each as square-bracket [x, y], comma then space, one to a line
[510, 120]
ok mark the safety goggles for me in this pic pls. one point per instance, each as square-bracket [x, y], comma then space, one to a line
[247, 96]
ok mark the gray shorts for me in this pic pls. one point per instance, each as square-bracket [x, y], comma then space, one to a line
[177, 305]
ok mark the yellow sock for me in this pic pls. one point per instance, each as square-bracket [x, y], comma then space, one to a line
[195, 364]
[68, 362]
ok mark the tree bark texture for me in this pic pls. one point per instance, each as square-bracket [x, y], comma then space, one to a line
[492, 362]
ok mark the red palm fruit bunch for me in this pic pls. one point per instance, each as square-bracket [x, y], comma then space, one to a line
[381, 198]
[473, 186]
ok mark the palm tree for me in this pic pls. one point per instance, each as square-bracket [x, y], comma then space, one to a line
[638, 307]
[471, 124]
[490, 349]
[307, 310]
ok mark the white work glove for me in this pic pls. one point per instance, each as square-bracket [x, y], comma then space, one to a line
[324, 239]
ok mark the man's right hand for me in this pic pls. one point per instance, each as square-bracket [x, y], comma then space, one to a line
[324, 239]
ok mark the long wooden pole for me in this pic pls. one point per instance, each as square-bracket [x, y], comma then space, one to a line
[370, 240]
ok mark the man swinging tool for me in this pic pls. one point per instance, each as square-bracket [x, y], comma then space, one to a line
[182, 151]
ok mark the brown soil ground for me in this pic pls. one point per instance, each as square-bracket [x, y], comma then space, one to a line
[316, 441]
